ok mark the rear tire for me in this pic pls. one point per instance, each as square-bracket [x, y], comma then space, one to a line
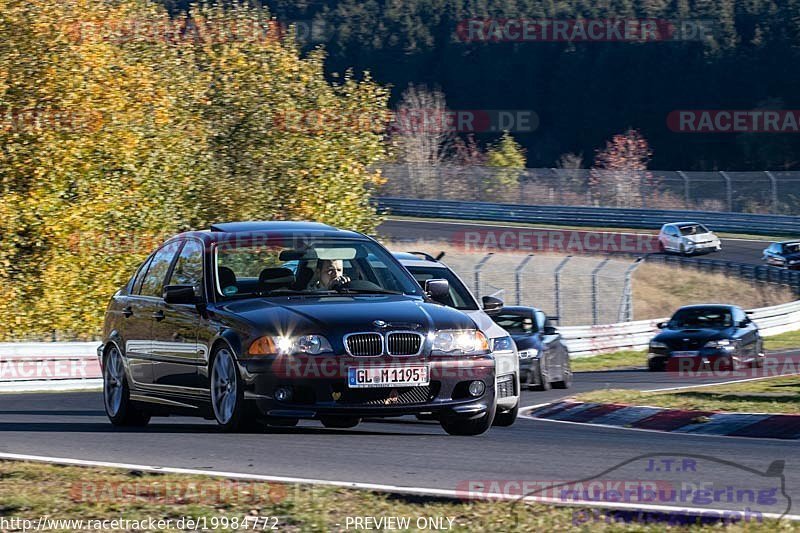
[121, 411]
[506, 418]
[656, 365]
[340, 422]
[471, 427]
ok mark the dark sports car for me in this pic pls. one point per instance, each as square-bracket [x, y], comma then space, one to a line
[543, 358]
[717, 337]
[270, 322]
[783, 254]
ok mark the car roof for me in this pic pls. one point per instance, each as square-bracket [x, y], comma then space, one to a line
[693, 306]
[683, 224]
[518, 310]
[228, 230]
[409, 259]
[796, 241]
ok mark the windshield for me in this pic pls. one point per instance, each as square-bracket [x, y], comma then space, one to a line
[284, 265]
[693, 229]
[702, 317]
[791, 248]
[516, 324]
[459, 297]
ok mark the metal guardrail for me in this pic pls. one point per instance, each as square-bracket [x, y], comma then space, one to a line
[599, 217]
[584, 341]
[755, 273]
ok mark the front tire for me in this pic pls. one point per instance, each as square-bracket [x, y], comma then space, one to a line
[506, 418]
[121, 411]
[340, 422]
[544, 378]
[227, 393]
[470, 427]
[566, 377]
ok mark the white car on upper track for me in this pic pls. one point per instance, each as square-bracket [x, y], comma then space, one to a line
[688, 238]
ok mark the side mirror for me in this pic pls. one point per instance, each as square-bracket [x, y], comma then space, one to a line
[492, 304]
[744, 323]
[179, 294]
[661, 325]
[437, 288]
[549, 330]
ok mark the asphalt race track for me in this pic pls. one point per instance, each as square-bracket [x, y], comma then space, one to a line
[399, 452]
[738, 250]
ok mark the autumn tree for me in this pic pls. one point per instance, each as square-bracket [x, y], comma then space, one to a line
[619, 175]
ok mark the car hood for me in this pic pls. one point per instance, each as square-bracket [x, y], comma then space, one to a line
[791, 257]
[342, 314]
[486, 324]
[691, 338]
[526, 342]
[700, 237]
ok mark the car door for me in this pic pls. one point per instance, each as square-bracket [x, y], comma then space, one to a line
[747, 333]
[550, 355]
[149, 299]
[674, 238]
[134, 329]
[176, 351]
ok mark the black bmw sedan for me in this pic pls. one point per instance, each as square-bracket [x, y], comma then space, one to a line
[543, 358]
[259, 323]
[697, 337]
[783, 254]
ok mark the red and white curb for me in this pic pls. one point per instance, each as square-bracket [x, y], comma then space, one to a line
[755, 425]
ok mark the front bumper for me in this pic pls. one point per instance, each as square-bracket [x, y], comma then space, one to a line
[318, 387]
[705, 359]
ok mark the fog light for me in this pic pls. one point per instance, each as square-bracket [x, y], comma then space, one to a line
[283, 394]
[476, 388]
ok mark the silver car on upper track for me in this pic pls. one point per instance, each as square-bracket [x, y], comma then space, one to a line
[688, 238]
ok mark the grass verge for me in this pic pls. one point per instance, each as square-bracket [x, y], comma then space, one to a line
[34, 490]
[780, 395]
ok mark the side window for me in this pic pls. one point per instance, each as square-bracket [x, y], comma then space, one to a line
[672, 231]
[189, 267]
[738, 315]
[137, 282]
[159, 266]
[540, 320]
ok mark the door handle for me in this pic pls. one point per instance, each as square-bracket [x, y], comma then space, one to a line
[159, 315]
[128, 312]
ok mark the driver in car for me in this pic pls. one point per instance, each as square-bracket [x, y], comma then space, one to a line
[330, 275]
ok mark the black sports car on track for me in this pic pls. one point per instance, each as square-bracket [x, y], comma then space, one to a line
[543, 358]
[258, 323]
[697, 337]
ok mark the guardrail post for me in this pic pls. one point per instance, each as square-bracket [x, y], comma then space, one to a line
[595, 303]
[626, 307]
[557, 287]
[686, 196]
[729, 189]
[773, 180]
[518, 277]
[478, 268]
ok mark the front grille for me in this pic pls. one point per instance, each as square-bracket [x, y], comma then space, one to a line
[388, 396]
[364, 344]
[404, 343]
[505, 386]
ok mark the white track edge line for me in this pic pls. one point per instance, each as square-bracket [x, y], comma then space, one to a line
[448, 493]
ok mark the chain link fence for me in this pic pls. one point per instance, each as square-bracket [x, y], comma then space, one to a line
[578, 289]
[742, 192]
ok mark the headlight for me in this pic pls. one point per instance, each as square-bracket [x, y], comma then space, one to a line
[305, 344]
[658, 345]
[793, 262]
[502, 344]
[722, 344]
[451, 342]
[529, 354]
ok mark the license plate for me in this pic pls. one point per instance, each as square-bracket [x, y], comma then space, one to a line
[685, 354]
[387, 376]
